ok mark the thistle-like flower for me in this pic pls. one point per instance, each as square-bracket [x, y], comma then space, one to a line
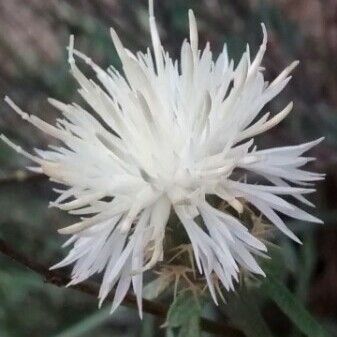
[162, 138]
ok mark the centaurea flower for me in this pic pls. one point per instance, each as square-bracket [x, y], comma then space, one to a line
[161, 138]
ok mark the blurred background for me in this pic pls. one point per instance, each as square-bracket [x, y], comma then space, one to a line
[33, 38]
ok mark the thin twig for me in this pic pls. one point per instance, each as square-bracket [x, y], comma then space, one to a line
[59, 279]
[22, 176]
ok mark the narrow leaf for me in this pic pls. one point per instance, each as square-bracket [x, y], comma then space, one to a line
[245, 314]
[88, 324]
[293, 308]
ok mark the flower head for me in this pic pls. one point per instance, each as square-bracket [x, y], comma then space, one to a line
[161, 138]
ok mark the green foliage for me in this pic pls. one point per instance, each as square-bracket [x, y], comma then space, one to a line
[155, 288]
[86, 325]
[244, 313]
[183, 318]
[293, 308]
[245, 307]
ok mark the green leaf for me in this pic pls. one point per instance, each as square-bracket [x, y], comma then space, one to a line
[306, 266]
[292, 307]
[155, 288]
[88, 324]
[148, 326]
[276, 264]
[191, 328]
[243, 311]
[184, 316]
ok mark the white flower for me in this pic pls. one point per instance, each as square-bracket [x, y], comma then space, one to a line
[162, 137]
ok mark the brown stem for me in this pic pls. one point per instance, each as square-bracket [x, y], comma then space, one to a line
[22, 176]
[59, 279]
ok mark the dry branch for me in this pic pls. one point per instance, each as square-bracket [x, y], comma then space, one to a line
[59, 279]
